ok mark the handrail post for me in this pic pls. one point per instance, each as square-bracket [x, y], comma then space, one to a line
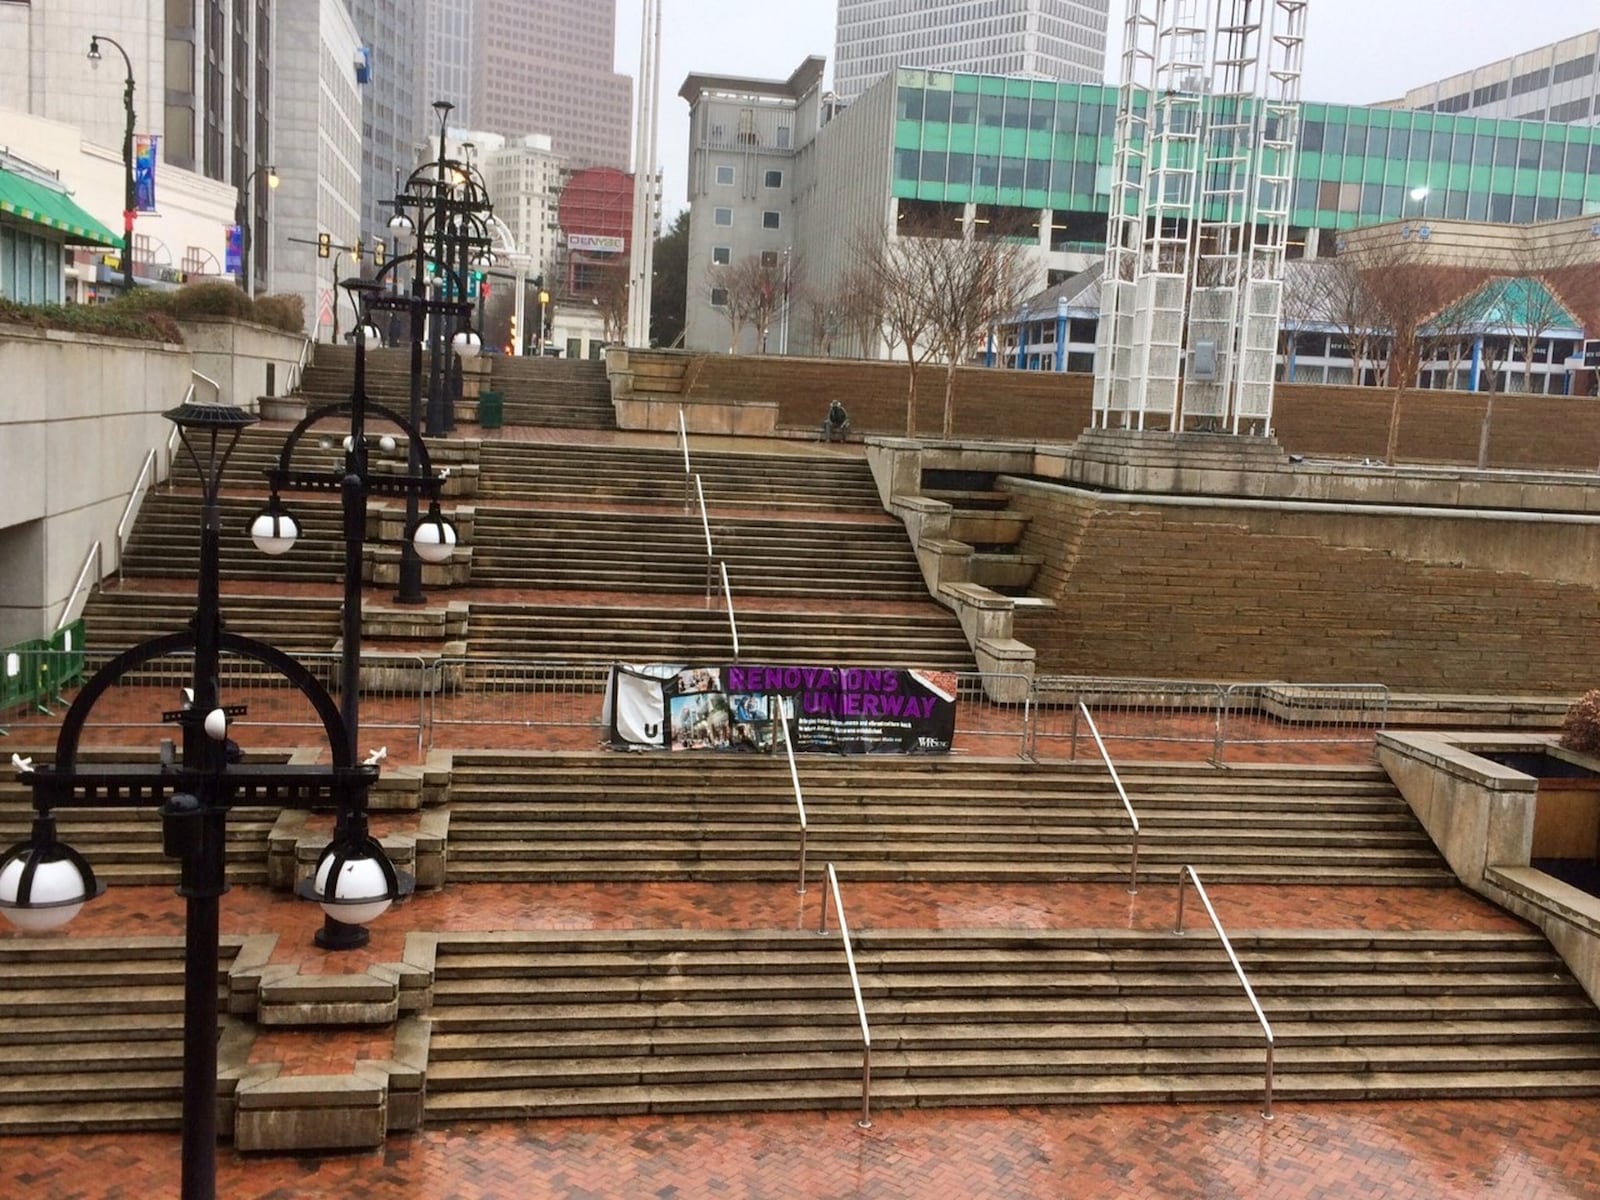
[1219, 735]
[1116, 781]
[775, 707]
[855, 986]
[733, 625]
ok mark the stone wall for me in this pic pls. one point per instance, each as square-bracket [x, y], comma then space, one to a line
[80, 414]
[248, 361]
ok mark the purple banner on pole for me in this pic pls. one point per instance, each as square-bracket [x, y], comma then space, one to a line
[233, 256]
[841, 710]
[144, 171]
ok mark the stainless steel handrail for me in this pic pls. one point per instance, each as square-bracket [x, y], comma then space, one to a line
[1105, 756]
[173, 439]
[705, 525]
[727, 595]
[794, 777]
[93, 557]
[855, 986]
[688, 471]
[130, 510]
[299, 368]
[1184, 877]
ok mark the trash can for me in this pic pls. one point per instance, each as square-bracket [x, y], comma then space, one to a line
[491, 410]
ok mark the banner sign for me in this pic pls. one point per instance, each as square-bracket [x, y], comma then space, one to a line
[233, 256]
[595, 242]
[841, 710]
[144, 171]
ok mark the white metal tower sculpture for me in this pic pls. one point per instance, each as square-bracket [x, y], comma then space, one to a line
[646, 176]
[1191, 297]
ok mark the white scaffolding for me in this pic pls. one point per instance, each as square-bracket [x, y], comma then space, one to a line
[1191, 297]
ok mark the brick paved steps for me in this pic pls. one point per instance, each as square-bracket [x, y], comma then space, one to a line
[566, 817]
[548, 473]
[667, 553]
[114, 620]
[124, 844]
[91, 1033]
[607, 633]
[663, 1021]
[166, 540]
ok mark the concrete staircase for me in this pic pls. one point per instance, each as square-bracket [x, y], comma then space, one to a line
[166, 540]
[91, 1033]
[622, 1022]
[554, 392]
[546, 475]
[666, 552]
[733, 817]
[114, 620]
[928, 637]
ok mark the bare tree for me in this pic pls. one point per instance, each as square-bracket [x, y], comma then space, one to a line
[1534, 306]
[824, 315]
[897, 273]
[1352, 312]
[1406, 291]
[861, 309]
[732, 280]
[972, 284]
[610, 295]
[1306, 303]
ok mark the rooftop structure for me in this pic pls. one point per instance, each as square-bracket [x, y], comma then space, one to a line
[1559, 82]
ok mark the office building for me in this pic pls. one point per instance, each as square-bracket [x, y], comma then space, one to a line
[546, 66]
[390, 33]
[443, 67]
[1047, 39]
[1559, 82]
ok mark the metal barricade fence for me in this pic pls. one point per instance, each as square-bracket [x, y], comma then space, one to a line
[1138, 718]
[394, 692]
[1253, 715]
[474, 693]
[992, 712]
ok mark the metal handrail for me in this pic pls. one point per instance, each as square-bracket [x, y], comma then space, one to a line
[141, 485]
[688, 472]
[779, 716]
[172, 445]
[705, 525]
[855, 986]
[733, 625]
[94, 557]
[299, 368]
[1133, 817]
[1184, 876]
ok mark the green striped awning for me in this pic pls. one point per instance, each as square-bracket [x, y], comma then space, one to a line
[43, 205]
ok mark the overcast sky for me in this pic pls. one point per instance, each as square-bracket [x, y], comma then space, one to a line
[1357, 51]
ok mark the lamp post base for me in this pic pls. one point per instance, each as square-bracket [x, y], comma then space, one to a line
[336, 935]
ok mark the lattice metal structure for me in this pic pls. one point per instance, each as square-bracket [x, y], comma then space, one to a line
[1192, 294]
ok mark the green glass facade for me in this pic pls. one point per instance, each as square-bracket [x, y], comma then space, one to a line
[1035, 144]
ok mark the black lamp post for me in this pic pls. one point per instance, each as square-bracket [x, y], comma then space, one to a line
[130, 196]
[43, 883]
[433, 200]
[275, 530]
[244, 216]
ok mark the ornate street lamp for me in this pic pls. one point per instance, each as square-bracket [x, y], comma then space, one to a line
[130, 195]
[43, 882]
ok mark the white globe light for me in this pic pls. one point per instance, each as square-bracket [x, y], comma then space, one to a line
[467, 344]
[58, 884]
[274, 534]
[435, 540]
[359, 894]
[216, 725]
[349, 443]
[386, 443]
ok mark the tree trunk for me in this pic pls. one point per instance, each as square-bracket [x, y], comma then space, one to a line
[948, 428]
[1483, 432]
[911, 392]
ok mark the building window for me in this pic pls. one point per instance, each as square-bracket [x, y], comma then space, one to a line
[769, 258]
[719, 297]
[783, 137]
[723, 217]
[724, 176]
[771, 219]
[772, 179]
[721, 256]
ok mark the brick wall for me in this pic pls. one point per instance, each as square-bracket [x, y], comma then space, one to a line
[1556, 432]
[1181, 593]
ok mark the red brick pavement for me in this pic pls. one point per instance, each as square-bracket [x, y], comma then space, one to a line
[1451, 1150]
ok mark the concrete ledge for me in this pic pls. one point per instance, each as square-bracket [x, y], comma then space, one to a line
[310, 1112]
[1568, 917]
[297, 999]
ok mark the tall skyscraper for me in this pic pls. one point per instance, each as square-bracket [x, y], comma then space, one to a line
[390, 31]
[545, 66]
[1050, 39]
[444, 65]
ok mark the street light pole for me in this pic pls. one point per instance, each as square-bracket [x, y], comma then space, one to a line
[130, 195]
[244, 217]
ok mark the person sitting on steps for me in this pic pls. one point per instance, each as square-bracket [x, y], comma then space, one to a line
[836, 425]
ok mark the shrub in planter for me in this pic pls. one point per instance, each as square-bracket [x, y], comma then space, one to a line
[285, 312]
[212, 298]
[1581, 729]
[118, 319]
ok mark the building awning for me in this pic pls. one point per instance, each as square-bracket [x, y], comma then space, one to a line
[43, 205]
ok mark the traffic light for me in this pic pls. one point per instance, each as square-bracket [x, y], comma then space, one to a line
[356, 250]
[324, 245]
[483, 291]
[512, 345]
[380, 253]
